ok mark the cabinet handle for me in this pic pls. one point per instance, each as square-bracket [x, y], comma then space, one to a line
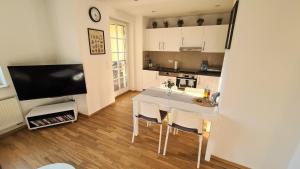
[203, 46]
[158, 45]
[164, 46]
[182, 41]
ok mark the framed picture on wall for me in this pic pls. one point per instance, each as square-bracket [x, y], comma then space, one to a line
[96, 41]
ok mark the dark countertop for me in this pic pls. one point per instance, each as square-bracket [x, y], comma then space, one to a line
[185, 71]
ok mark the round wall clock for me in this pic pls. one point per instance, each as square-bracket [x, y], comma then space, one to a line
[95, 14]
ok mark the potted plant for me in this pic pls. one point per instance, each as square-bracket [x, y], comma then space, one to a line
[200, 21]
[166, 24]
[169, 84]
[219, 21]
[180, 23]
[154, 24]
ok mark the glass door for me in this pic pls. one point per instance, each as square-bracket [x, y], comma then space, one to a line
[118, 39]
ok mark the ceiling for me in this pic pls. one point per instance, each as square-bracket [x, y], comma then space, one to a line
[163, 8]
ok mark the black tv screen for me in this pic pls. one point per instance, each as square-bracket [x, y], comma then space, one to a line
[43, 81]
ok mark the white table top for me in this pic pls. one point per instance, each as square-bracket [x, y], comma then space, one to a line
[177, 99]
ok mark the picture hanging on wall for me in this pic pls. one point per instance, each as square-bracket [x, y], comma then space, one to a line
[96, 41]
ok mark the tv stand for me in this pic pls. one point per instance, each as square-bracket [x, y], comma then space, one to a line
[50, 115]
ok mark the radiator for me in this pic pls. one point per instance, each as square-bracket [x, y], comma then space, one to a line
[10, 113]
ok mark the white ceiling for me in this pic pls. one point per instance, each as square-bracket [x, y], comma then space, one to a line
[165, 8]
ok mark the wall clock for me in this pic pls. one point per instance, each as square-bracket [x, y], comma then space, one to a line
[95, 14]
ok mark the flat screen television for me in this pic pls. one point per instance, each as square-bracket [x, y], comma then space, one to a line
[44, 81]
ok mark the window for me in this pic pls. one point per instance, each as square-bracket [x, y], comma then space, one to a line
[119, 54]
[2, 80]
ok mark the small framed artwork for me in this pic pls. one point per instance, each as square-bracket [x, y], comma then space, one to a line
[96, 41]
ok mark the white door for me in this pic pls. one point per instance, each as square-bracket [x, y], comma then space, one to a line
[119, 52]
[153, 40]
[192, 36]
[171, 39]
[215, 38]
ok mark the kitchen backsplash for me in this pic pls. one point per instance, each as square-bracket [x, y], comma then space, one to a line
[186, 60]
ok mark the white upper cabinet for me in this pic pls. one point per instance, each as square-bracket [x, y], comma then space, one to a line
[215, 38]
[210, 38]
[171, 39]
[192, 36]
[162, 39]
[153, 39]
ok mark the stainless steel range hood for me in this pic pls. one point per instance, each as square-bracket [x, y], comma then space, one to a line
[190, 49]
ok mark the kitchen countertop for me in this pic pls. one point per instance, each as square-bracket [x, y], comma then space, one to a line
[185, 71]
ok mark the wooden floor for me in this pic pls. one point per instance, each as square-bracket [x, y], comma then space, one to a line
[101, 141]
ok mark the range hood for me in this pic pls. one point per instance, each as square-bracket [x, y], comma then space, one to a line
[190, 49]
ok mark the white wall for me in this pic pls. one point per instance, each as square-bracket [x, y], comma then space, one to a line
[209, 19]
[63, 22]
[98, 68]
[295, 161]
[25, 38]
[259, 125]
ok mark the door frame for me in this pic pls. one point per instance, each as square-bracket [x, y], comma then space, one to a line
[123, 90]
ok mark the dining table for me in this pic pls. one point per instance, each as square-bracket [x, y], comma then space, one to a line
[178, 99]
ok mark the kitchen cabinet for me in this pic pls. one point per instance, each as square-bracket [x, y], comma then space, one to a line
[153, 79]
[214, 38]
[210, 82]
[150, 79]
[211, 38]
[162, 39]
[171, 39]
[192, 36]
[153, 39]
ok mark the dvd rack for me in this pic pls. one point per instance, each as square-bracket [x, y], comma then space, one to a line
[51, 115]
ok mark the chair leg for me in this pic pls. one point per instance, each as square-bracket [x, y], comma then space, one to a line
[159, 143]
[166, 141]
[174, 131]
[147, 124]
[199, 151]
[134, 128]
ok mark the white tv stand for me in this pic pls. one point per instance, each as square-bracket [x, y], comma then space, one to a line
[50, 115]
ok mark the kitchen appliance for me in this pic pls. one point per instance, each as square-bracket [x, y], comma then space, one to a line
[186, 80]
[190, 49]
[204, 65]
[175, 65]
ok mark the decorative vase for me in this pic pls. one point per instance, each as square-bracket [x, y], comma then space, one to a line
[169, 91]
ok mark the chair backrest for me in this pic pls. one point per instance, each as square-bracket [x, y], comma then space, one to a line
[186, 119]
[150, 110]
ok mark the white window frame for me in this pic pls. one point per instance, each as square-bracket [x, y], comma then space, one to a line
[3, 82]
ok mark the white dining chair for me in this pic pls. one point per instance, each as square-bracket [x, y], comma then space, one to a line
[152, 114]
[187, 122]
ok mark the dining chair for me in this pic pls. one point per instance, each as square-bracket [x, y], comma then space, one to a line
[150, 113]
[187, 122]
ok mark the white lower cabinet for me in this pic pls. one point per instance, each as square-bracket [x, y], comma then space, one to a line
[150, 79]
[210, 82]
[153, 79]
